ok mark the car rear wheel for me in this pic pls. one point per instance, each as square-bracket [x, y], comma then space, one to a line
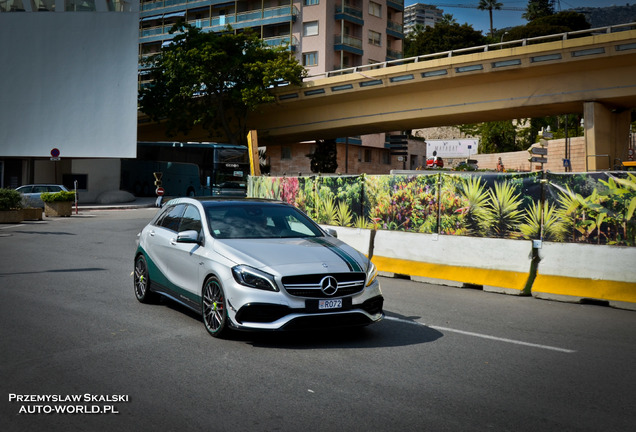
[213, 307]
[142, 281]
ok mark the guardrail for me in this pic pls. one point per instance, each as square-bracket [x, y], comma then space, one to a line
[478, 49]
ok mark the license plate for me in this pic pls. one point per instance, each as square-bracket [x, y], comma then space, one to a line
[330, 304]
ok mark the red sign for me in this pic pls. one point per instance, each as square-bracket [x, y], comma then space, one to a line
[55, 153]
[160, 191]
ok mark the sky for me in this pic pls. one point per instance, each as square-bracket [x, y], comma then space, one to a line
[505, 18]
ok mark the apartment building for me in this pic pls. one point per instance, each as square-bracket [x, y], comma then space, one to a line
[324, 35]
[421, 14]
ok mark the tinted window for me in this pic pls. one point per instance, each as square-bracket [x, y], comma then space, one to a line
[191, 220]
[259, 221]
[171, 218]
[25, 189]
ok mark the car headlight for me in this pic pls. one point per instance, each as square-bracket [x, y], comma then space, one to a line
[250, 277]
[372, 273]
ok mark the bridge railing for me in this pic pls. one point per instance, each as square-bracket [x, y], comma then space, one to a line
[478, 49]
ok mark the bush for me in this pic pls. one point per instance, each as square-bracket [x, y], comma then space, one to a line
[10, 199]
[58, 196]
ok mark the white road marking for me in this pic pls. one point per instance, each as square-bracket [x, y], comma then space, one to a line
[483, 336]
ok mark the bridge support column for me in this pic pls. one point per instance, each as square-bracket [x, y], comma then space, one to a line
[606, 135]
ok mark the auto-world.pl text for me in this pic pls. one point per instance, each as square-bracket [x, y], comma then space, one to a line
[86, 403]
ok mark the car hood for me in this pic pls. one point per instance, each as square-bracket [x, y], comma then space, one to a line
[296, 255]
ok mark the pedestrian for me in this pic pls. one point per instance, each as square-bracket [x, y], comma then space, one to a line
[500, 165]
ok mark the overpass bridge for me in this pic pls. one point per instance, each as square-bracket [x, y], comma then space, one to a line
[591, 72]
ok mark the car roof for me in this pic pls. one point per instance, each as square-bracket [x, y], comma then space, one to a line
[42, 184]
[212, 201]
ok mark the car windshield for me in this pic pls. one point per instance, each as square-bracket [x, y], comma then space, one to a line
[259, 221]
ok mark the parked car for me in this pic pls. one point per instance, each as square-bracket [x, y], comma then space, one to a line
[254, 265]
[435, 162]
[467, 165]
[32, 193]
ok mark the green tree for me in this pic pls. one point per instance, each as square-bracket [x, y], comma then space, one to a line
[442, 37]
[561, 22]
[448, 19]
[214, 80]
[489, 5]
[538, 8]
[496, 137]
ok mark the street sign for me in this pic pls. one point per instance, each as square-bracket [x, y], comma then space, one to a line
[398, 144]
[55, 154]
[538, 150]
[538, 160]
[160, 191]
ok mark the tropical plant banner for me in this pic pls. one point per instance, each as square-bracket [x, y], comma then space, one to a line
[593, 208]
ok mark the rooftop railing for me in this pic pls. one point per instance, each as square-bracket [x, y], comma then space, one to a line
[480, 49]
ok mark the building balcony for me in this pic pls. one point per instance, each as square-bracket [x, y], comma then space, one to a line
[276, 41]
[398, 5]
[247, 19]
[348, 43]
[349, 13]
[395, 29]
[175, 4]
[393, 55]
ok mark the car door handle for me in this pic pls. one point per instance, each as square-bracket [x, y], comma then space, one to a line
[151, 233]
[173, 241]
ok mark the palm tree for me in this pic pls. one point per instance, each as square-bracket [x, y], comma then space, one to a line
[489, 5]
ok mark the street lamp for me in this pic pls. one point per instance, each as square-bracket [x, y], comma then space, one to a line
[502, 36]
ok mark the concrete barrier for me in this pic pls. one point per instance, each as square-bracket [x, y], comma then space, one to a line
[496, 265]
[566, 272]
[579, 272]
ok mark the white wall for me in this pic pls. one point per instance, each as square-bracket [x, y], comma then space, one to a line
[68, 81]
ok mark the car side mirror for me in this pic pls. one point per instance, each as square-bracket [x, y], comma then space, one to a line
[332, 232]
[190, 236]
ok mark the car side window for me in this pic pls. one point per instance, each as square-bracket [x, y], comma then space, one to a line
[171, 219]
[191, 220]
[40, 189]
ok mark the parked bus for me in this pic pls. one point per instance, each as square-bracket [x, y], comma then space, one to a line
[187, 169]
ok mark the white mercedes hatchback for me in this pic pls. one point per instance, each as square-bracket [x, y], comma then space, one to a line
[254, 265]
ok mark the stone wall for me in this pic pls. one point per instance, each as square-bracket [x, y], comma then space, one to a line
[518, 161]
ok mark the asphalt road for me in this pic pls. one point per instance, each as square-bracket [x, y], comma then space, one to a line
[444, 359]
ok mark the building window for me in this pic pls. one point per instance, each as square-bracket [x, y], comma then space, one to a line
[375, 38]
[367, 155]
[311, 2]
[375, 9]
[310, 59]
[310, 28]
[285, 152]
[386, 158]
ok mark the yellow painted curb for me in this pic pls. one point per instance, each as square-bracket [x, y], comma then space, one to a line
[585, 288]
[471, 275]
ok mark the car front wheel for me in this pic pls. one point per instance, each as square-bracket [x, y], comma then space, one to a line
[213, 307]
[142, 281]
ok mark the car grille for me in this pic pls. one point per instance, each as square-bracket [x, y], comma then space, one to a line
[309, 286]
